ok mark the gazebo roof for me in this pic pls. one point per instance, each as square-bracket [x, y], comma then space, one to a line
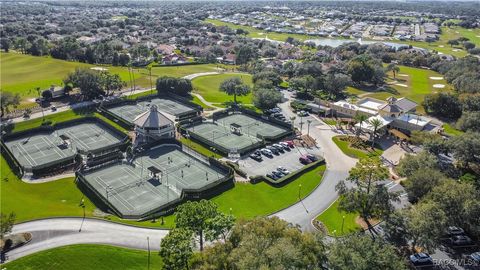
[151, 119]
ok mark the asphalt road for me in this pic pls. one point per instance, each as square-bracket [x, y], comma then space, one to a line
[56, 232]
[338, 166]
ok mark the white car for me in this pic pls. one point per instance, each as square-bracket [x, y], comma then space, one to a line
[283, 170]
[266, 152]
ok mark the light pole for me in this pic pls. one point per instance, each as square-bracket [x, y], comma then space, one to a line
[343, 222]
[151, 85]
[301, 125]
[299, 190]
[335, 233]
[308, 127]
[148, 246]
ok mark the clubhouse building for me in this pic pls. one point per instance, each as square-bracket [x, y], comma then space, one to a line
[394, 114]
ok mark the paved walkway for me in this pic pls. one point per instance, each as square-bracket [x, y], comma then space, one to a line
[195, 75]
[57, 232]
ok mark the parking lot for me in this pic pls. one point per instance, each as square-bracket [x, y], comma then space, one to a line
[289, 160]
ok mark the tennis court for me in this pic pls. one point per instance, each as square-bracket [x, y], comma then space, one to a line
[133, 191]
[251, 132]
[47, 148]
[171, 107]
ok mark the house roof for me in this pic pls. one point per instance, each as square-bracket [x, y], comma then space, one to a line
[393, 108]
[152, 119]
[406, 104]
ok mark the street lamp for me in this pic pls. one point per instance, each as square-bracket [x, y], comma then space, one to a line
[343, 222]
[308, 127]
[299, 190]
[335, 233]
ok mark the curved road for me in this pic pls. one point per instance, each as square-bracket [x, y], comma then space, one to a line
[338, 166]
[56, 232]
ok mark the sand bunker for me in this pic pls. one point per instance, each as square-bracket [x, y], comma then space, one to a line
[99, 68]
[436, 78]
[439, 85]
[402, 75]
[456, 50]
[441, 46]
[401, 84]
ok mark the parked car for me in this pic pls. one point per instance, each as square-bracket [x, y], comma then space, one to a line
[256, 157]
[453, 230]
[302, 113]
[274, 150]
[266, 152]
[421, 259]
[54, 108]
[460, 241]
[284, 145]
[278, 174]
[279, 147]
[283, 170]
[272, 176]
[475, 258]
[290, 144]
[304, 160]
[311, 157]
[257, 152]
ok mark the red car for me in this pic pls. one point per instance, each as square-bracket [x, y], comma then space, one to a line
[290, 144]
[305, 160]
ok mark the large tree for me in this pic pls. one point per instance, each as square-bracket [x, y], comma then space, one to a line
[410, 164]
[264, 243]
[6, 223]
[111, 82]
[234, 87]
[89, 81]
[366, 197]
[176, 249]
[466, 149]
[8, 99]
[363, 253]
[266, 98]
[421, 182]
[202, 218]
[179, 86]
[335, 84]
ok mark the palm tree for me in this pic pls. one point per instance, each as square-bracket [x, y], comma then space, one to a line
[234, 86]
[393, 68]
[376, 124]
[360, 118]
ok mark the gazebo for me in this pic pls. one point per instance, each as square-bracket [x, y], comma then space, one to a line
[153, 125]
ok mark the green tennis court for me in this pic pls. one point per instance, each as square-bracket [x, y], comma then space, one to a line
[132, 189]
[42, 149]
[172, 107]
[247, 132]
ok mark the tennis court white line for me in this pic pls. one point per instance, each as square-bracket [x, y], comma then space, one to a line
[45, 139]
[120, 199]
[126, 206]
[26, 154]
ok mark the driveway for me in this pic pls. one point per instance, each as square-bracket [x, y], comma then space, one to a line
[56, 232]
[338, 166]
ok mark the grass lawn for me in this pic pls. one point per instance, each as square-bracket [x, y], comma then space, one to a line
[412, 83]
[453, 32]
[85, 257]
[249, 200]
[209, 87]
[62, 198]
[21, 73]
[61, 117]
[332, 218]
[353, 152]
[451, 130]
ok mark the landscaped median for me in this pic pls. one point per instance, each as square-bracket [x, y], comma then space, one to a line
[337, 222]
[86, 257]
[355, 147]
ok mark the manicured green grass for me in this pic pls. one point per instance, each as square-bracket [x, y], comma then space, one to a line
[451, 131]
[417, 82]
[330, 122]
[447, 34]
[22, 73]
[353, 152]
[250, 200]
[62, 198]
[332, 218]
[85, 257]
[209, 87]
